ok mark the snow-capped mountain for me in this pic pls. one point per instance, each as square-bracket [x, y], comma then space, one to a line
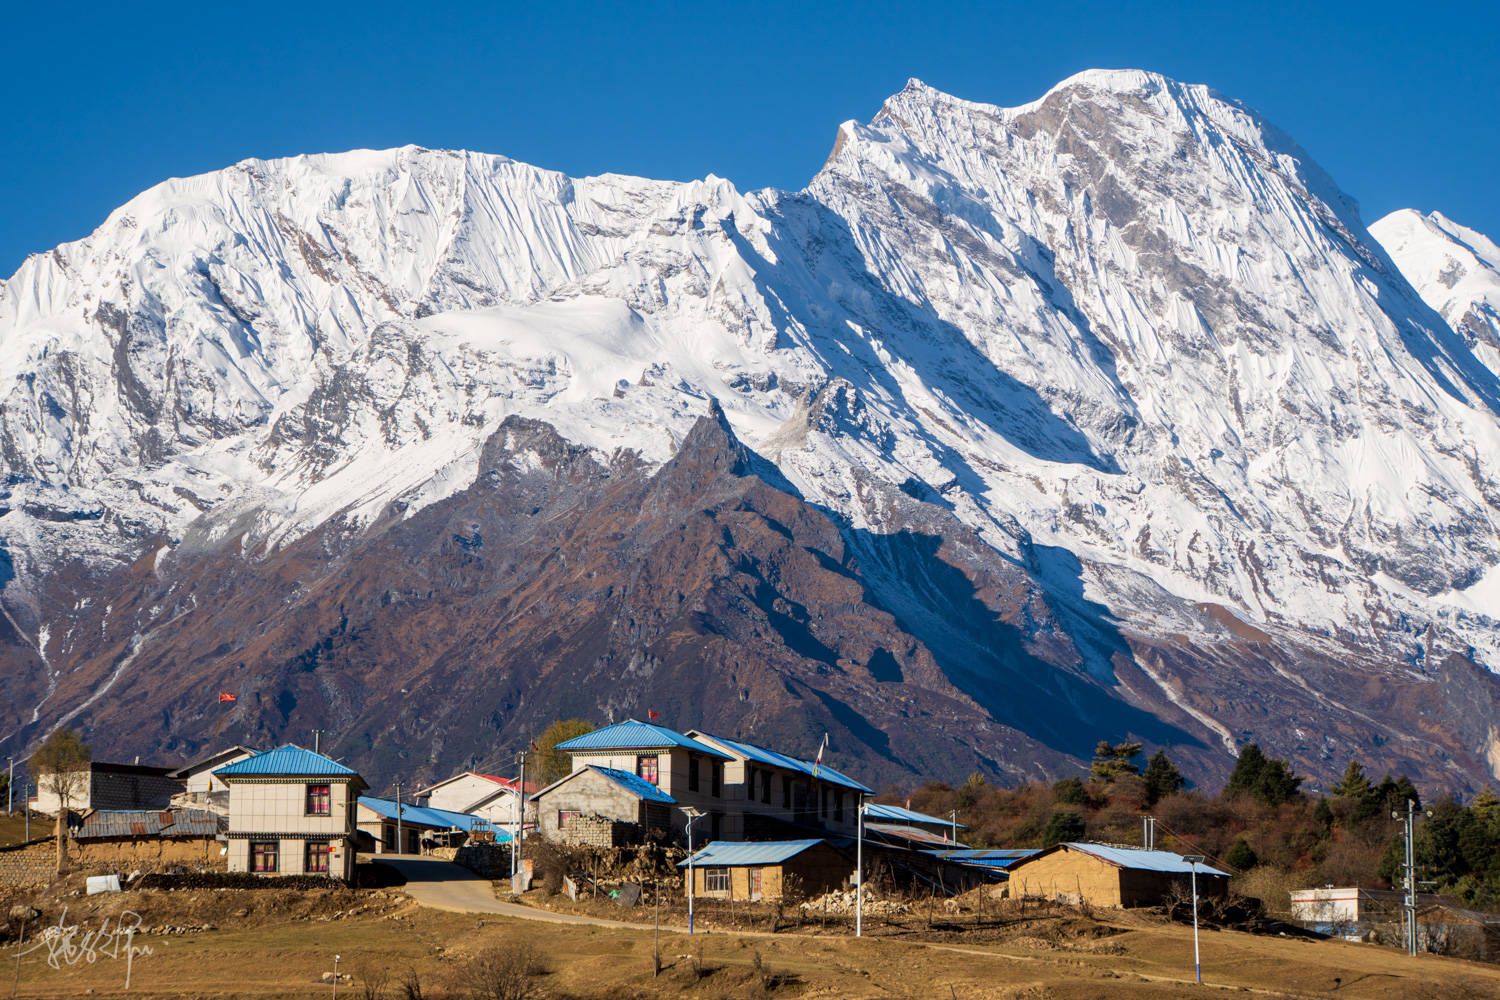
[1456, 271]
[1127, 342]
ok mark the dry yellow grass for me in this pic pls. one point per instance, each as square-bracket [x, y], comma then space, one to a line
[1130, 957]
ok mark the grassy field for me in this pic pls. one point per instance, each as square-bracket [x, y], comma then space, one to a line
[13, 828]
[277, 944]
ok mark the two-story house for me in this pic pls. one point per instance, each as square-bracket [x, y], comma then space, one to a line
[291, 812]
[689, 773]
[774, 795]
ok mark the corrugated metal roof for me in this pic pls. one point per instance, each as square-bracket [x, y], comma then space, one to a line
[1142, 860]
[442, 819]
[104, 823]
[879, 810]
[291, 760]
[634, 735]
[771, 758]
[913, 834]
[634, 784]
[733, 852]
[986, 857]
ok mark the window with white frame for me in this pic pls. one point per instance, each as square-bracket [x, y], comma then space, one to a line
[716, 880]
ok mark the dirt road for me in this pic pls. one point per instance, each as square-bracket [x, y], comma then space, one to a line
[444, 885]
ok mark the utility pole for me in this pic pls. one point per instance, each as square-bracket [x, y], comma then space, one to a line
[400, 834]
[10, 788]
[859, 871]
[1148, 832]
[1409, 905]
[519, 840]
[954, 817]
[316, 733]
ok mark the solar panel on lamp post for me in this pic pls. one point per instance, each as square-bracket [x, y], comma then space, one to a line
[1194, 860]
[691, 814]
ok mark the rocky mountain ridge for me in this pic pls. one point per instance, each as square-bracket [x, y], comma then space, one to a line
[1109, 402]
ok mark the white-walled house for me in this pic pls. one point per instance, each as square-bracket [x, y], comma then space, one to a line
[494, 799]
[198, 777]
[291, 812]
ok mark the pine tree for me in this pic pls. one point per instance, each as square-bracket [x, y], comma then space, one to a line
[1114, 760]
[1241, 855]
[1061, 828]
[1162, 777]
[1354, 784]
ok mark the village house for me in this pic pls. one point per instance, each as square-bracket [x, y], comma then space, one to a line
[1103, 875]
[772, 870]
[604, 807]
[496, 800]
[199, 777]
[111, 786]
[201, 789]
[687, 772]
[420, 827]
[148, 839]
[291, 812]
[769, 794]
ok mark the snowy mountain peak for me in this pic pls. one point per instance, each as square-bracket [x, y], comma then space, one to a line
[1456, 271]
[1128, 336]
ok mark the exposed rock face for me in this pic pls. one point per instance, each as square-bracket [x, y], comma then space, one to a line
[1016, 429]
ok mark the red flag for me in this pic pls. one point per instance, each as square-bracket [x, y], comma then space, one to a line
[225, 696]
[652, 713]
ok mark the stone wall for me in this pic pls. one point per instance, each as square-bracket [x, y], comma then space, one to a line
[600, 831]
[27, 866]
[487, 860]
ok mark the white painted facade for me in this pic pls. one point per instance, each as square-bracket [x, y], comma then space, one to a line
[277, 813]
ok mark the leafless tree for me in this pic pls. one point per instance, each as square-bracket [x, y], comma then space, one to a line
[61, 766]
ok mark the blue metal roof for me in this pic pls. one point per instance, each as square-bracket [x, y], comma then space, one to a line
[1142, 860]
[633, 735]
[291, 760]
[878, 810]
[984, 857]
[634, 784]
[445, 819]
[735, 852]
[773, 759]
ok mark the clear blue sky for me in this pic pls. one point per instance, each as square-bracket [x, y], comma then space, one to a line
[1399, 102]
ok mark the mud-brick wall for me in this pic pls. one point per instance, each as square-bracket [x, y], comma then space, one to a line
[147, 854]
[28, 866]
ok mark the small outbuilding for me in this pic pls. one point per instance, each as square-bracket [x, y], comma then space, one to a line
[1105, 875]
[603, 807]
[782, 869]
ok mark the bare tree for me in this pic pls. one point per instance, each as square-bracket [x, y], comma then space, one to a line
[61, 766]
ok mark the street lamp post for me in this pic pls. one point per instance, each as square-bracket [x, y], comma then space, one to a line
[1194, 860]
[691, 814]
